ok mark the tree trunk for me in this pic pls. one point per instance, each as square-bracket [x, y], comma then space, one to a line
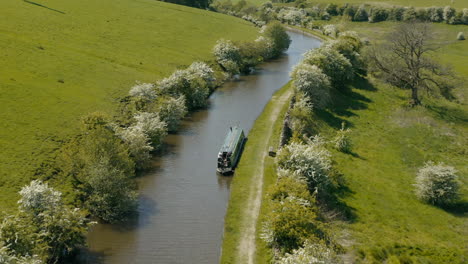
[414, 97]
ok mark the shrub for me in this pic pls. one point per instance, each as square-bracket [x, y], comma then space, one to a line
[435, 14]
[332, 9]
[290, 222]
[227, 55]
[449, 14]
[171, 111]
[330, 30]
[265, 46]
[311, 253]
[112, 196]
[145, 91]
[349, 45]
[311, 80]
[38, 197]
[290, 186]
[409, 14]
[396, 13]
[460, 36]
[276, 32]
[47, 232]
[464, 17]
[292, 16]
[332, 63]
[301, 114]
[437, 184]
[311, 161]
[139, 145]
[152, 126]
[194, 83]
[361, 14]
[350, 11]
[342, 141]
[378, 14]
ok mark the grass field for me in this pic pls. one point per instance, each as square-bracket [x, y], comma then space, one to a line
[62, 59]
[415, 3]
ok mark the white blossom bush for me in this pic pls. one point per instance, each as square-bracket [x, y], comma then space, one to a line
[228, 56]
[38, 197]
[435, 13]
[437, 184]
[312, 161]
[293, 16]
[311, 253]
[464, 18]
[172, 111]
[266, 47]
[152, 126]
[194, 83]
[7, 258]
[449, 14]
[202, 70]
[337, 67]
[460, 36]
[342, 141]
[311, 80]
[330, 30]
[144, 91]
[139, 145]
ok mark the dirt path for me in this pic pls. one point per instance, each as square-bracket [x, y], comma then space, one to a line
[247, 245]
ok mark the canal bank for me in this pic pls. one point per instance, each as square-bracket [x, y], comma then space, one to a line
[182, 200]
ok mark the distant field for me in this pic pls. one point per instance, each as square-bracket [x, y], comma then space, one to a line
[62, 59]
[415, 3]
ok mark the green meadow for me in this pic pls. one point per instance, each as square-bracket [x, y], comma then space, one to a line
[62, 59]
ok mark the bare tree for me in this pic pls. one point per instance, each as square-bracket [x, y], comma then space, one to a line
[405, 59]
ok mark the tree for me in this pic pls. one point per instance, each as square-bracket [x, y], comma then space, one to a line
[171, 111]
[301, 116]
[361, 14]
[112, 196]
[311, 161]
[138, 143]
[281, 40]
[437, 184]
[337, 67]
[152, 126]
[311, 80]
[38, 197]
[311, 253]
[404, 60]
[228, 56]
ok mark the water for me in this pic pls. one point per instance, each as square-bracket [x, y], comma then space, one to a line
[182, 199]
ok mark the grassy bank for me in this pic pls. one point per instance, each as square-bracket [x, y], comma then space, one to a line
[243, 181]
[82, 58]
[415, 3]
[391, 142]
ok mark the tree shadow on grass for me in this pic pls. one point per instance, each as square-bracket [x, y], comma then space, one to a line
[332, 199]
[345, 102]
[46, 7]
[449, 114]
[459, 209]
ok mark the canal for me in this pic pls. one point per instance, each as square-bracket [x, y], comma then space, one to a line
[182, 200]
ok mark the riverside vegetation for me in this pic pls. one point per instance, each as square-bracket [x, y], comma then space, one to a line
[100, 163]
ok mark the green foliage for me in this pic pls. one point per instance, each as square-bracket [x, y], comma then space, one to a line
[111, 193]
[311, 253]
[276, 32]
[437, 184]
[310, 80]
[171, 111]
[311, 161]
[332, 63]
[228, 56]
[50, 232]
[301, 116]
[361, 14]
[342, 141]
[292, 220]
[378, 14]
[409, 14]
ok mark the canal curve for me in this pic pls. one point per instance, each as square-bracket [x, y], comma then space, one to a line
[182, 200]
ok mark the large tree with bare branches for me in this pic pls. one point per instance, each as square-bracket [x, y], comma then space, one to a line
[406, 60]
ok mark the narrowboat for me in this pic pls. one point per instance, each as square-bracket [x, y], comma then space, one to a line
[230, 152]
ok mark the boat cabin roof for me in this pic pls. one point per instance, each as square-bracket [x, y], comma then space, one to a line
[234, 135]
